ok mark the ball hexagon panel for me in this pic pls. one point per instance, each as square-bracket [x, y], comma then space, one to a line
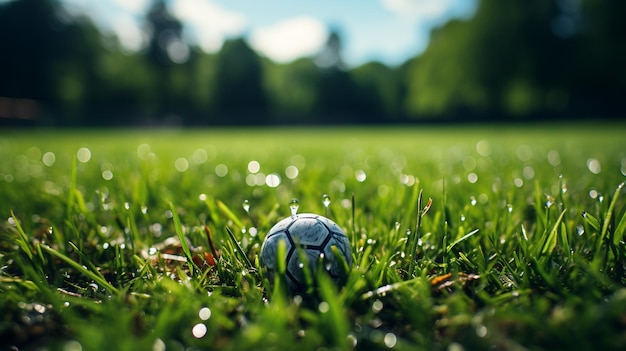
[314, 235]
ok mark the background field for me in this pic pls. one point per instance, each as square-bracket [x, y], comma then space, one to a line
[88, 266]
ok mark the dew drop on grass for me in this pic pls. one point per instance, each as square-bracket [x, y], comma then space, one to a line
[323, 307]
[294, 204]
[72, 345]
[200, 156]
[158, 345]
[254, 166]
[83, 155]
[554, 158]
[481, 331]
[377, 306]
[326, 200]
[199, 330]
[455, 347]
[301, 265]
[156, 229]
[397, 225]
[360, 175]
[181, 164]
[93, 287]
[390, 340]
[483, 148]
[246, 205]
[272, 180]
[376, 322]
[221, 170]
[473, 201]
[49, 158]
[127, 205]
[291, 172]
[528, 172]
[594, 166]
[352, 340]
[107, 175]
[144, 209]
[579, 228]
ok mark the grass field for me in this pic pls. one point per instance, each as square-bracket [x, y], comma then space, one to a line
[503, 238]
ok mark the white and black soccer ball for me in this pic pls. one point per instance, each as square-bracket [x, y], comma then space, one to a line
[314, 235]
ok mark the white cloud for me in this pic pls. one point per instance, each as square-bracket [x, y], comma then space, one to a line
[290, 39]
[420, 9]
[209, 23]
[123, 18]
[434, 11]
[127, 29]
[133, 6]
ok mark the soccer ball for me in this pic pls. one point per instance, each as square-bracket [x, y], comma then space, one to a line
[312, 235]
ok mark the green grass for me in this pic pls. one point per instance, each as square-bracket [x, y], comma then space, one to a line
[468, 238]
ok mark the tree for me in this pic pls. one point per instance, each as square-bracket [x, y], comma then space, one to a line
[523, 58]
[49, 57]
[165, 50]
[596, 78]
[335, 88]
[239, 91]
[378, 92]
[291, 89]
[497, 63]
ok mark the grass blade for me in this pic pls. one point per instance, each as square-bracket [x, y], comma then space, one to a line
[228, 213]
[609, 213]
[22, 240]
[461, 239]
[239, 250]
[71, 190]
[551, 240]
[86, 260]
[591, 221]
[212, 247]
[96, 277]
[181, 237]
[620, 231]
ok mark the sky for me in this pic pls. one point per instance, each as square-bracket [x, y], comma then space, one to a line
[389, 31]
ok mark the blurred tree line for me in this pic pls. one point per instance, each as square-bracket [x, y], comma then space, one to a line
[516, 59]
